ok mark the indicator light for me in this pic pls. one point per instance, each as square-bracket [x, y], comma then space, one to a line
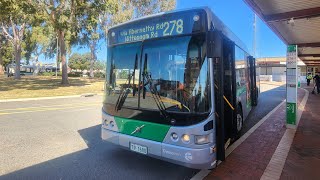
[202, 139]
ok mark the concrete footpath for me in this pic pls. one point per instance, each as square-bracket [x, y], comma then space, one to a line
[303, 161]
[272, 151]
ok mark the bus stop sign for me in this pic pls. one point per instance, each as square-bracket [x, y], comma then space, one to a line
[292, 80]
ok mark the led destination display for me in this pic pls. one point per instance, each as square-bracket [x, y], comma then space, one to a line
[159, 26]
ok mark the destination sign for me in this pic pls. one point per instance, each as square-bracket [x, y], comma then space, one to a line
[164, 25]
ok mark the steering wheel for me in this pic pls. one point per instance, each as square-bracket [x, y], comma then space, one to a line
[182, 108]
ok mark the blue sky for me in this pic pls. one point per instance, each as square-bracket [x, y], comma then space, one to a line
[237, 16]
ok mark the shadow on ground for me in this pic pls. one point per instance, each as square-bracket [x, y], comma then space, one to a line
[102, 160]
[267, 101]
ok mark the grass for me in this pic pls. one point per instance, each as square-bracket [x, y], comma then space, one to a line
[31, 87]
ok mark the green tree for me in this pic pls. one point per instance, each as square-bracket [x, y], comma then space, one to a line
[91, 29]
[38, 40]
[62, 16]
[121, 12]
[79, 61]
[100, 65]
[147, 7]
[6, 53]
[16, 16]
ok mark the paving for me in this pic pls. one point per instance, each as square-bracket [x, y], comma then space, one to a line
[262, 155]
[303, 161]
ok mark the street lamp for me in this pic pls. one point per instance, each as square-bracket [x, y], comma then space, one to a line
[57, 58]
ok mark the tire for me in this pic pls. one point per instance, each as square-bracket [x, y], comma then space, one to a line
[239, 119]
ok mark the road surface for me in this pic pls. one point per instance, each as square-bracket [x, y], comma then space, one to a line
[60, 139]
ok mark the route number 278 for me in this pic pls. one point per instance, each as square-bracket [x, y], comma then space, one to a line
[173, 26]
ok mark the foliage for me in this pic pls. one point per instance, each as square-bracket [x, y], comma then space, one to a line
[6, 51]
[125, 10]
[100, 65]
[31, 27]
[39, 40]
[62, 16]
[123, 74]
[16, 16]
[75, 74]
[99, 75]
[71, 74]
[92, 31]
[147, 7]
[79, 61]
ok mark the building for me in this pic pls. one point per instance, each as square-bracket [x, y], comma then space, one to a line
[274, 69]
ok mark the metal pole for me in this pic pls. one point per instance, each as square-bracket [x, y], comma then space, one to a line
[254, 34]
[57, 58]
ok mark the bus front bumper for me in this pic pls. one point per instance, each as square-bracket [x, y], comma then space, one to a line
[188, 157]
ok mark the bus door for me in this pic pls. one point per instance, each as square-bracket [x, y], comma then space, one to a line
[218, 82]
[224, 93]
[229, 91]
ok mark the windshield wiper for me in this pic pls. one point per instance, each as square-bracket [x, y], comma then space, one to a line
[154, 92]
[124, 94]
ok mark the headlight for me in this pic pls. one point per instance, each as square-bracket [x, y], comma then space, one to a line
[185, 138]
[202, 139]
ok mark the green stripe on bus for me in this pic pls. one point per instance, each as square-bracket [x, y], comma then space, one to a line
[151, 131]
[241, 90]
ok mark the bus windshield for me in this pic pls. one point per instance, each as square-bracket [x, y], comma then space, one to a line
[171, 71]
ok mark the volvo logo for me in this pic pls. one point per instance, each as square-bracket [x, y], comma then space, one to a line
[188, 156]
[137, 130]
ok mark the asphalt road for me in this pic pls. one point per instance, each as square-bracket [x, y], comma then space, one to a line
[60, 139]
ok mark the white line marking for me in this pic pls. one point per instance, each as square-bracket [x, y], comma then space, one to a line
[44, 98]
[39, 98]
[204, 172]
[83, 109]
[278, 159]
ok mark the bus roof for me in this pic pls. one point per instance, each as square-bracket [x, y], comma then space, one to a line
[217, 24]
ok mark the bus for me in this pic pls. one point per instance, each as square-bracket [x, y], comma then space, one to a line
[179, 86]
[24, 70]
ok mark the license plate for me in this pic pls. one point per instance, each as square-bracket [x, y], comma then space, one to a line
[138, 148]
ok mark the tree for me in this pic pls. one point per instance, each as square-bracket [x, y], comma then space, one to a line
[121, 12]
[100, 65]
[147, 7]
[91, 31]
[79, 61]
[6, 53]
[15, 17]
[38, 40]
[62, 16]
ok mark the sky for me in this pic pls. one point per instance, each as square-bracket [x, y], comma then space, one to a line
[236, 15]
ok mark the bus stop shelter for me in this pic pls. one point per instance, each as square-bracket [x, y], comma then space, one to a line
[297, 24]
